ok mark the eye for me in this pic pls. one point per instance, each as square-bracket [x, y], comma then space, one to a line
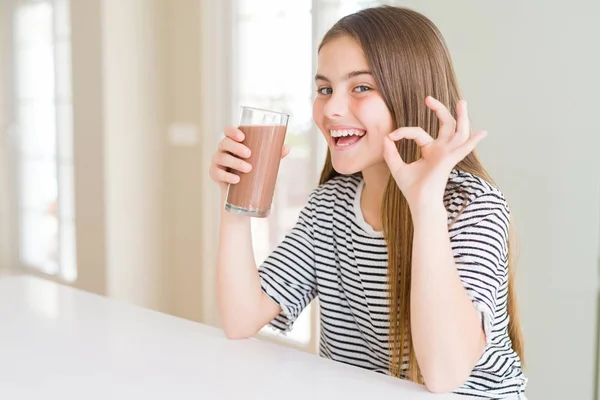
[324, 91]
[362, 89]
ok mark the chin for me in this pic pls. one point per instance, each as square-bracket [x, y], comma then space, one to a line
[345, 168]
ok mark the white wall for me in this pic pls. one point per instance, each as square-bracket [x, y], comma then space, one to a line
[188, 58]
[530, 72]
[133, 104]
[89, 151]
[139, 67]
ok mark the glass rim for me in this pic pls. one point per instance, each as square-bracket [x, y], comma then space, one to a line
[264, 110]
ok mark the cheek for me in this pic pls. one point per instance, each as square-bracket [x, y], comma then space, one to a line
[374, 114]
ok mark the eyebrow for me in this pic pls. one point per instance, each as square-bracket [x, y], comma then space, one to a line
[319, 77]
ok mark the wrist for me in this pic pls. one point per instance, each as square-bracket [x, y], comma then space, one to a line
[428, 212]
[232, 220]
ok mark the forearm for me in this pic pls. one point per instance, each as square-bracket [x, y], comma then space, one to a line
[446, 330]
[243, 307]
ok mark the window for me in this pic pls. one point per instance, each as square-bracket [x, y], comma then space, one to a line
[43, 155]
[275, 54]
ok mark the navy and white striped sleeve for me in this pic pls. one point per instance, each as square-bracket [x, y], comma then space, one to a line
[288, 274]
[479, 240]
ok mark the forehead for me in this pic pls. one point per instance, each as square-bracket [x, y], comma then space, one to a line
[341, 55]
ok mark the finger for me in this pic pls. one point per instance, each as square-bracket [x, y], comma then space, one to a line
[231, 146]
[415, 133]
[391, 155]
[285, 150]
[466, 148]
[462, 123]
[220, 175]
[447, 121]
[226, 160]
[234, 133]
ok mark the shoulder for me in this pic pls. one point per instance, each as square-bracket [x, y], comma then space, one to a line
[469, 196]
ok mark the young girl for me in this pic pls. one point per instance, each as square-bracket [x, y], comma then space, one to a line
[405, 240]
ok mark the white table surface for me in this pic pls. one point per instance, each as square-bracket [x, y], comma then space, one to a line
[58, 343]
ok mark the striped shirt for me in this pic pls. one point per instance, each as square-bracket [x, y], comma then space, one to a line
[334, 254]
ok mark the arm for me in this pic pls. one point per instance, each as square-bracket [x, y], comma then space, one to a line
[447, 332]
[277, 292]
[243, 307]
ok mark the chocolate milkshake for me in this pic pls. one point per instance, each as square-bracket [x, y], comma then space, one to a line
[253, 194]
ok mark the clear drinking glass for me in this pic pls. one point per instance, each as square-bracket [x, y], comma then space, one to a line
[264, 132]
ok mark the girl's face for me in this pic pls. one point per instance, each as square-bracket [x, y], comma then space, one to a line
[348, 108]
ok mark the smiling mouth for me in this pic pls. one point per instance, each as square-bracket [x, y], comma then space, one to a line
[344, 138]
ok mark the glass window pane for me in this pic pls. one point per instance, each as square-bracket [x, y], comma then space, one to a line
[37, 129]
[33, 23]
[45, 132]
[271, 8]
[330, 11]
[66, 192]
[260, 239]
[301, 120]
[292, 190]
[269, 59]
[346, 7]
[38, 186]
[39, 241]
[35, 73]
[38, 223]
[256, 53]
[68, 265]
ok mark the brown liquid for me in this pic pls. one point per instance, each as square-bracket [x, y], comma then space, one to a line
[253, 194]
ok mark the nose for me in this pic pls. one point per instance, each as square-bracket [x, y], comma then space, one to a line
[336, 106]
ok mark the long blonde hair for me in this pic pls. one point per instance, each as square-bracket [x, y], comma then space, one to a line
[409, 60]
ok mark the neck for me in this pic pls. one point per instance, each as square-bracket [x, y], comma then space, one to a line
[376, 178]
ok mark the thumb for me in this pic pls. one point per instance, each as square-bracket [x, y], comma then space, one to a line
[285, 150]
[391, 155]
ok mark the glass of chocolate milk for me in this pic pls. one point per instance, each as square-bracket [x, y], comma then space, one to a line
[264, 133]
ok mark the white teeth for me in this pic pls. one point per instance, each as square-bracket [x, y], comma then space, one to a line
[346, 132]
